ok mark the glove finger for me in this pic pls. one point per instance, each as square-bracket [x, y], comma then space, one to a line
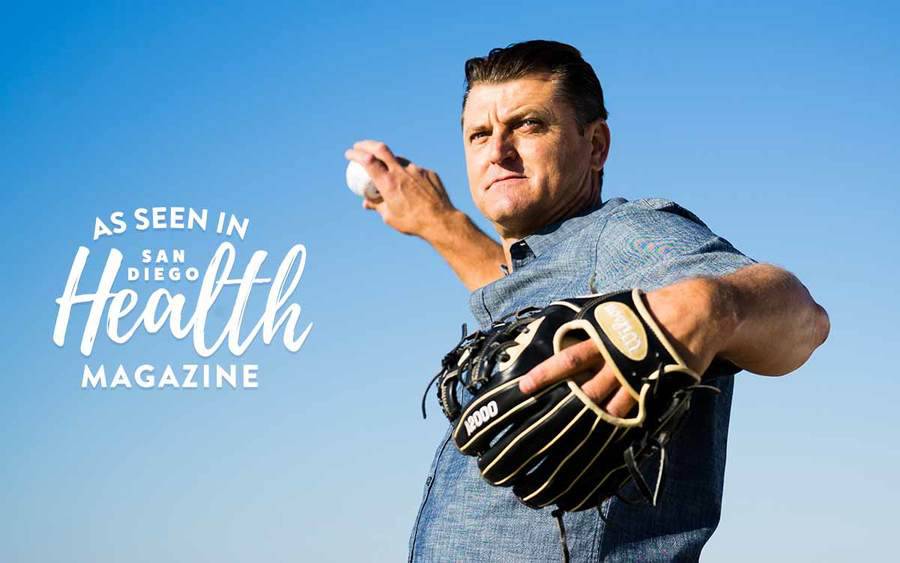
[602, 479]
[522, 447]
[492, 413]
[607, 478]
[603, 476]
[560, 471]
[539, 474]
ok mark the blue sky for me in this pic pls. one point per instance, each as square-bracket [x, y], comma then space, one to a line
[776, 123]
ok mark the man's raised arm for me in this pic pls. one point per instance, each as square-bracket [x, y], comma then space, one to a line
[414, 202]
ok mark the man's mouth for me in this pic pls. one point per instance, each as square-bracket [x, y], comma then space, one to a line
[506, 180]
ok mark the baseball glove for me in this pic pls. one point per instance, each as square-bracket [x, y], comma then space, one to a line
[556, 446]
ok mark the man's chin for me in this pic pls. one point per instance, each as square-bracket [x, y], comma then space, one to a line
[512, 223]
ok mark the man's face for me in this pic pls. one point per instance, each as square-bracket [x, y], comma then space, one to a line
[528, 165]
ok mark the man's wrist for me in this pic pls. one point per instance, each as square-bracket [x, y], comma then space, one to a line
[443, 226]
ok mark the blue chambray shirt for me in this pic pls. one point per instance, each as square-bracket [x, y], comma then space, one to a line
[620, 244]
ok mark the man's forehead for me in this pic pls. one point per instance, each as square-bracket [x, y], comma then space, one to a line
[505, 98]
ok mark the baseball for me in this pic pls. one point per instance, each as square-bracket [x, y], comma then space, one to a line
[359, 182]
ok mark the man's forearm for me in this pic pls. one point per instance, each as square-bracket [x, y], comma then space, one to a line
[778, 324]
[473, 256]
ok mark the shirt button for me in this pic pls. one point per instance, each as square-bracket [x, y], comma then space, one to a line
[517, 251]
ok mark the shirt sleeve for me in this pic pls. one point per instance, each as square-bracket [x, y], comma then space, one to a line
[654, 243]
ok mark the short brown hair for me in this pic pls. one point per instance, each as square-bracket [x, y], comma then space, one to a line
[578, 84]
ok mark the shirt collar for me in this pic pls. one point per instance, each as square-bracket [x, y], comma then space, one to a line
[550, 235]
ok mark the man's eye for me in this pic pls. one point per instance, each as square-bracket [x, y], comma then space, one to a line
[530, 125]
[477, 135]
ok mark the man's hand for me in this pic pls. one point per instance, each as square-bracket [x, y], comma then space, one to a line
[697, 320]
[413, 200]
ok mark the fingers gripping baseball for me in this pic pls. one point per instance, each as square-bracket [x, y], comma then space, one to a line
[412, 199]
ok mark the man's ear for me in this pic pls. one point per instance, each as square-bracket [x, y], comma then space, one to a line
[598, 133]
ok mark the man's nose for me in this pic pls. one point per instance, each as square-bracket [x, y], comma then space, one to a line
[501, 148]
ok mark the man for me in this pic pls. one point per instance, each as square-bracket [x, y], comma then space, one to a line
[536, 140]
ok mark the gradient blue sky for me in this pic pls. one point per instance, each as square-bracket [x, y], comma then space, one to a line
[775, 122]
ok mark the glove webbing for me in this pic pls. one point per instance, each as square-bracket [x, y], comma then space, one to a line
[446, 364]
[476, 368]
